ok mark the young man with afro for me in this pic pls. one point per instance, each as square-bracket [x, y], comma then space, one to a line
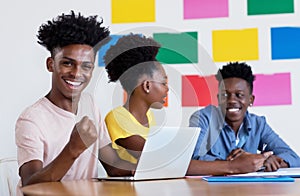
[61, 136]
[231, 136]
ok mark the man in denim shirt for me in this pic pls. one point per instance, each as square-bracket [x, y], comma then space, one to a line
[231, 136]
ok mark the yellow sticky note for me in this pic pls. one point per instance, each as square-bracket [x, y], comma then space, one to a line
[235, 45]
[132, 11]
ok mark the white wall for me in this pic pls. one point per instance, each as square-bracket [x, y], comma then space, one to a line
[24, 77]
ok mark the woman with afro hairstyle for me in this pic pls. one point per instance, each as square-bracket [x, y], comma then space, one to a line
[231, 136]
[132, 61]
[60, 136]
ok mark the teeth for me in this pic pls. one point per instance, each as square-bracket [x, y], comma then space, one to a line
[73, 83]
[233, 109]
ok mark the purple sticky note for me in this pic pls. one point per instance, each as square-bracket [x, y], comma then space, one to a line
[205, 9]
[274, 89]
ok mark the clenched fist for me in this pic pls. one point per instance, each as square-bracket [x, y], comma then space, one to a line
[83, 135]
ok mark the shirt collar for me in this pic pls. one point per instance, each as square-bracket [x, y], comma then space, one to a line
[247, 121]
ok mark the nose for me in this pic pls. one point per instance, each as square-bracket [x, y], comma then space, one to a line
[76, 71]
[231, 97]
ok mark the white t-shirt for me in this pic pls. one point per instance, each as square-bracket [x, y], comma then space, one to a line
[43, 130]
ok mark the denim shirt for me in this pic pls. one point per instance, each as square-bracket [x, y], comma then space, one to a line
[217, 139]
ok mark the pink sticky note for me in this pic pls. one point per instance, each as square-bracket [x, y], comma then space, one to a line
[272, 89]
[205, 9]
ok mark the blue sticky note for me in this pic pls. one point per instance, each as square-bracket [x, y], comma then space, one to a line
[285, 42]
[248, 179]
[102, 51]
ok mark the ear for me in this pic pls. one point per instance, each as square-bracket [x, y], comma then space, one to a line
[252, 98]
[50, 64]
[146, 86]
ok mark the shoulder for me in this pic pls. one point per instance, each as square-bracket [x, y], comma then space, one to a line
[117, 110]
[205, 111]
[116, 113]
[30, 119]
[257, 122]
[203, 116]
[35, 109]
[256, 118]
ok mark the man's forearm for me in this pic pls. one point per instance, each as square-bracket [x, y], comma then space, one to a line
[54, 171]
[198, 167]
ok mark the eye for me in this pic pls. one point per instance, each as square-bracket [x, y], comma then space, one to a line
[165, 83]
[67, 63]
[224, 95]
[87, 67]
[240, 95]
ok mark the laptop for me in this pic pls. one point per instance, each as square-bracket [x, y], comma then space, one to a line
[166, 154]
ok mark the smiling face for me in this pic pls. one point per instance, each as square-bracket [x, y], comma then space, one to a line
[234, 98]
[71, 68]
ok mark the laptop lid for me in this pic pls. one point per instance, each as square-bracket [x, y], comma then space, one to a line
[166, 154]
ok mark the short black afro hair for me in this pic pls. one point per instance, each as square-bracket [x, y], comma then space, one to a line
[236, 70]
[72, 29]
[133, 52]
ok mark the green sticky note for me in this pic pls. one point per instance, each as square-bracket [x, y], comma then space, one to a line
[177, 48]
[257, 7]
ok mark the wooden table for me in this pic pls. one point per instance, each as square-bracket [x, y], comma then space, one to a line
[162, 187]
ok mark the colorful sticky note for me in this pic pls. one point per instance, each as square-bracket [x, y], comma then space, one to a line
[203, 90]
[133, 11]
[256, 7]
[102, 51]
[285, 42]
[205, 9]
[199, 90]
[235, 45]
[177, 48]
[273, 89]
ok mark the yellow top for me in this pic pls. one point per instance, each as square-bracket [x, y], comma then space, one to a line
[122, 124]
